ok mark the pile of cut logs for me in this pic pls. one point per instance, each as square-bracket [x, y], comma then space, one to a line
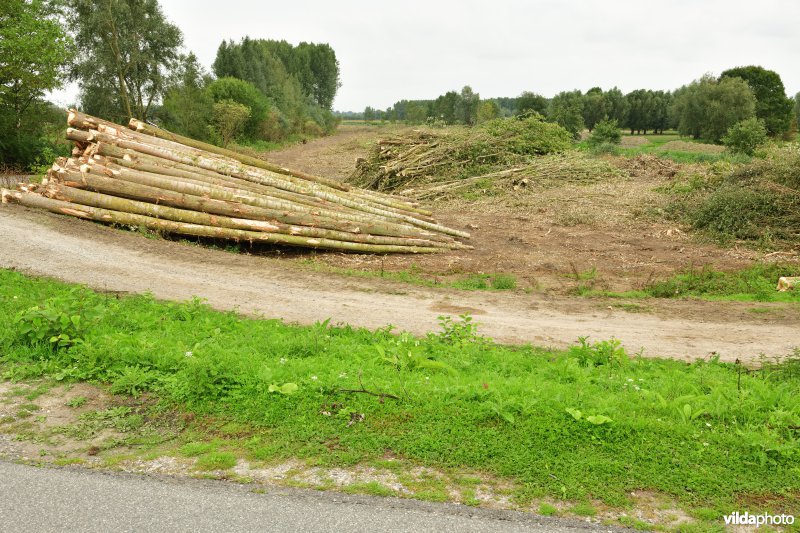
[144, 176]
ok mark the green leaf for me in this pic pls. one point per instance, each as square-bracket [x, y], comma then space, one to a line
[286, 388]
[599, 420]
[575, 413]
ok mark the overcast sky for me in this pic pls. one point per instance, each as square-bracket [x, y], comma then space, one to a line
[420, 49]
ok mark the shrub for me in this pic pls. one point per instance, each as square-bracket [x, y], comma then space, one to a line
[528, 135]
[60, 321]
[605, 132]
[746, 137]
[742, 212]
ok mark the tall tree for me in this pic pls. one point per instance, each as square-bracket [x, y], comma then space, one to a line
[617, 106]
[188, 107]
[466, 106]
[566, 110]
[641, 105]
[595, 107]
[34, 50]
[488, 110]
[528, 102]
[708, 107]
[126, 46]
[772, 104]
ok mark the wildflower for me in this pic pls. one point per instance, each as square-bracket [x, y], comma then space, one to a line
[283, 360]
[313, 378]
[188, 354]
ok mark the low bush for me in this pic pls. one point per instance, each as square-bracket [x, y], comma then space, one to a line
[605, 132]
[746, 137]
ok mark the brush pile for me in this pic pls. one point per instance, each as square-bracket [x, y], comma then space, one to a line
[143, 176]
[503, 153]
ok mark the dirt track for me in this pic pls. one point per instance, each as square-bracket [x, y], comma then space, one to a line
[107, 259]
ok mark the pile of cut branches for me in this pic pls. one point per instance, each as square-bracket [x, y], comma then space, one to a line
[147, 177]
[504, 153]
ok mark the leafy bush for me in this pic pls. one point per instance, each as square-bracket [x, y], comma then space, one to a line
[740, 212]
[245, 94]
[528, 135]
[60, 321]
[605, 132]
[746, 137]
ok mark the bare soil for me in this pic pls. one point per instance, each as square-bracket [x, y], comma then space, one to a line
[110, 259]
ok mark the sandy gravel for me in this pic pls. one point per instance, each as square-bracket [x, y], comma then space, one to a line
[114, 260]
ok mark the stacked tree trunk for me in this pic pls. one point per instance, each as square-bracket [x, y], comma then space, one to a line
[147, 177]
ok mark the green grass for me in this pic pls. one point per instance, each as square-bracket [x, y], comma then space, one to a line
[193, 449]
[655, 146]
[546, 509]
[216, 461]
[585, 424]
[753, 284]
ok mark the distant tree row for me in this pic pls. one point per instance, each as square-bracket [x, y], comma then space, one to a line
[705, 108]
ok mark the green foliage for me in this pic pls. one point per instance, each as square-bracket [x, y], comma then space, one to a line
[529, 102]
[708, 107]
[595, 107]
[647, 110]
[78, 401]
[194, 449]
[60, 321]
[216, 461]
[230, 118]
[566, 110]
[605, 132]
[34, 51]
[501, 410]
[546, 509]
[488, 110]
[503, 282]
[609, 353]
[229, 91]
[746, 137]
[188, 107]
[126, 50]
[740, 212]
[773, 107]
[458, 333]
[300, 81]
[528, 135]
[132, 380]
[753, 283]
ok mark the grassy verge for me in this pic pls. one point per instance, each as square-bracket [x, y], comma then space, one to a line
[587, 424]
[753, 284]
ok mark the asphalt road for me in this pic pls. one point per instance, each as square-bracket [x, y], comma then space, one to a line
[36, 499]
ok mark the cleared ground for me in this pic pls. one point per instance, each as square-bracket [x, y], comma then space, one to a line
[114, 260]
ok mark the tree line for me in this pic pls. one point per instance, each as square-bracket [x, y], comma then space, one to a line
[705, 108]
[128, 61]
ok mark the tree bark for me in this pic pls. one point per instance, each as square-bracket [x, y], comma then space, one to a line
[198, 230]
